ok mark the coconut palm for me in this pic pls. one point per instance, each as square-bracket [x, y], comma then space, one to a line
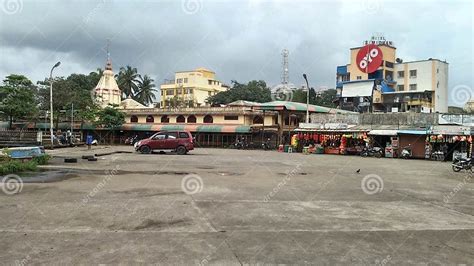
[146, 92]
[127, 81]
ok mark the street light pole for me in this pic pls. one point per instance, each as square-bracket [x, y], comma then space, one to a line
[51, 103]
[307, 99]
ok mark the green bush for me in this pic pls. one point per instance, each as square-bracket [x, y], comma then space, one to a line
[42, 159]
[15, 166]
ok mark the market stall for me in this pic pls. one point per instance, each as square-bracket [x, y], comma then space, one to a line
[448, 142]
[387, 139]
[330, 141]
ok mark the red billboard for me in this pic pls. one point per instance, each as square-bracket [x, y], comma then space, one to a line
[369, 58]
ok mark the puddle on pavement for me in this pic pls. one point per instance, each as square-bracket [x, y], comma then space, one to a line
[226, 173]
[47, 176]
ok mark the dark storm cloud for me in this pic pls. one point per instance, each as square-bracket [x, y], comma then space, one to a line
[240, 40]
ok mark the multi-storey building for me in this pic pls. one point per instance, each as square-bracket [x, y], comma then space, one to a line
[190, 88]
[376, 80]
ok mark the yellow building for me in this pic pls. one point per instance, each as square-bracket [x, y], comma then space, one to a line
[190, 88]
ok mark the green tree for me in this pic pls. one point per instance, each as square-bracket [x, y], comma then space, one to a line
[18, 98]
[74, 90]
[127, 81]
[254, 91]
[146, 91]
[110, 118]
[323, 98]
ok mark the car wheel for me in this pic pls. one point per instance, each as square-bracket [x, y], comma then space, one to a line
[145, 149]
[181, 150]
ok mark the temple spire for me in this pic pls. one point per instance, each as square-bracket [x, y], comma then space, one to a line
[108, 65]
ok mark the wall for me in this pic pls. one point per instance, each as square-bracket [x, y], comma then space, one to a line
[217, 119]
[406, 119]
[441, 86]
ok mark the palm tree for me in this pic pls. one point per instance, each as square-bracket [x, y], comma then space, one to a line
[146, 92]
[127, 80]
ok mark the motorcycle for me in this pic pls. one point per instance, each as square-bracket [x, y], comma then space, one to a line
[266, 145]
[131, 140]
[376, 152]
[241, 145]
[462, 164]
[406, 152]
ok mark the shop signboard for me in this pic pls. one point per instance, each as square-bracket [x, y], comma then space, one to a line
[369, 58]
[456, 119]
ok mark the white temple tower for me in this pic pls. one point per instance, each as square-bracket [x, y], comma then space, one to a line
[107, 91]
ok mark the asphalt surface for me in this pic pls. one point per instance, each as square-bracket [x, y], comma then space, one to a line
[218, 206]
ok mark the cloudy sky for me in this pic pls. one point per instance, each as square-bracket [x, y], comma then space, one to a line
[238, 39]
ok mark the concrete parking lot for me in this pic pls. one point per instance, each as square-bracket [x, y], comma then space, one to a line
[218, 206]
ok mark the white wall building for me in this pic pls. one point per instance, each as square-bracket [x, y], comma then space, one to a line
[424, 76]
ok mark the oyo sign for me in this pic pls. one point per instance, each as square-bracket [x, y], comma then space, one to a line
[369, 58]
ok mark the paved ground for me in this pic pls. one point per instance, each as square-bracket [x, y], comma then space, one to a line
[247, 207]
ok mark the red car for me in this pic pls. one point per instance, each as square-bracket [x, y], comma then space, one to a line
[179, 141]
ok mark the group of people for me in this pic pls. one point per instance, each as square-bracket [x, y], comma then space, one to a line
[64, 138]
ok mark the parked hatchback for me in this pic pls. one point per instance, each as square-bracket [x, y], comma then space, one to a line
[179, 141]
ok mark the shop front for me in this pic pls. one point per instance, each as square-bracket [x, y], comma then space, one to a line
[387, 139]
[337, 141]
[415, 140]
[449, 142]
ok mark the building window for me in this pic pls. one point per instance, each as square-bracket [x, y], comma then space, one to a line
[413, 87]
[231, 117]
[165, 119]
[192, 119]
[185, 80]
[133, 119]
[209, 82]
[208, 119]
[437, 70]
[179, 91]
[179, 81]
[162, 92]
[180, 119]
[258, 120]
[401, 87]
[388, 75]
[413, 73]
[170, 92]
[150, 119]
[401, 74]
[359, 77]
[437, 84]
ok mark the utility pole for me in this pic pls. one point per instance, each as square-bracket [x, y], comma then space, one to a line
[51, 104]
[307, 99]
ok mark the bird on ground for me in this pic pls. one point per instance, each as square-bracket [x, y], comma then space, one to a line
[358, 171]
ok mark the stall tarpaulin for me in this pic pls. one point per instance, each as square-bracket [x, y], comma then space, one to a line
[383, 132]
